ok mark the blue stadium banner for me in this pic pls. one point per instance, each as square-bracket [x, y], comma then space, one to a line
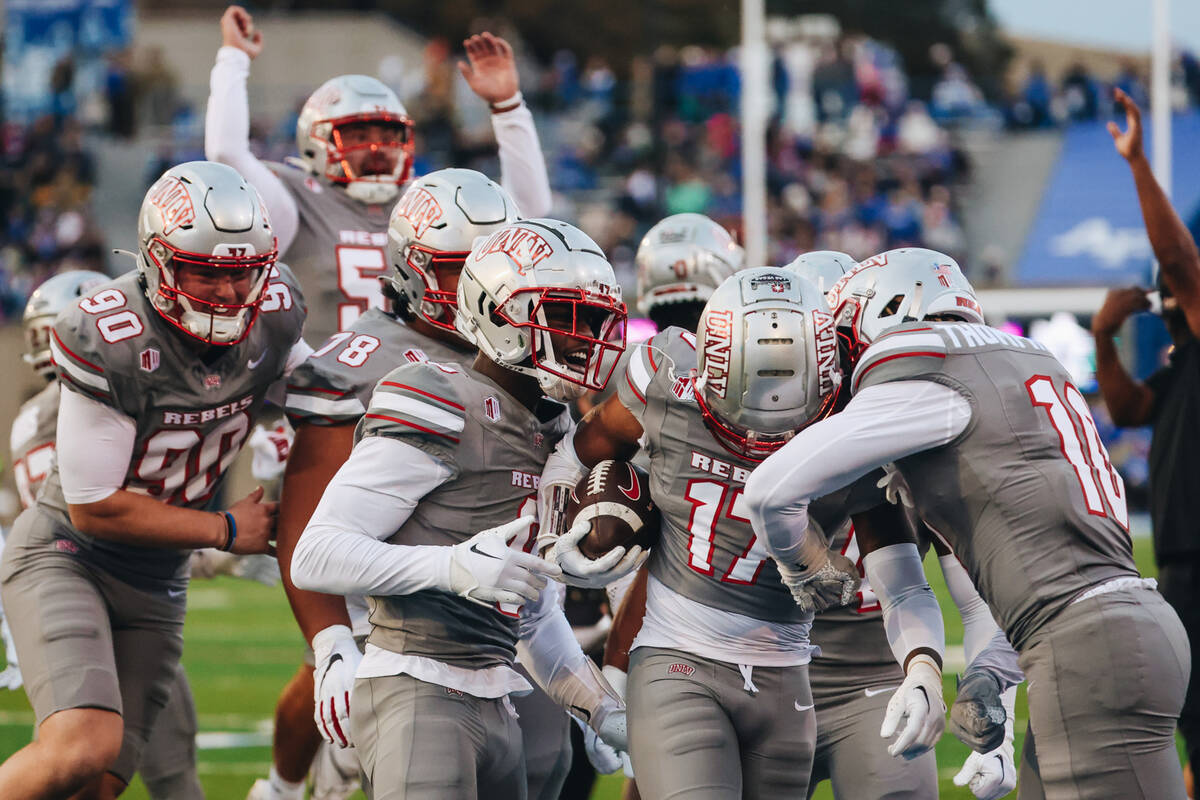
[41, 35]
[1088, 230]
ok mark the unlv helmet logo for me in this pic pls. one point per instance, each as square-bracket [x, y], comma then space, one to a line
[173, 202]
[420, 208]
[524, 246]
[827, 351]
[718, 330]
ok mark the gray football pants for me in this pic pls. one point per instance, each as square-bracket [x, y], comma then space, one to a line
[419, 741]
[168, 765]
[1106, 680]
[546, 733]
[854, 759]
[696, 731]
[87, 639]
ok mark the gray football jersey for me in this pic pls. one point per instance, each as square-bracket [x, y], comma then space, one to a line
[333, 385]
[32, 442]
[495, 448]
[708, 551]
[192, 415]
[1026, 495]
[338, 255]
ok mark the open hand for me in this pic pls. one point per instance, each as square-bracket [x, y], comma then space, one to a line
[490, 69]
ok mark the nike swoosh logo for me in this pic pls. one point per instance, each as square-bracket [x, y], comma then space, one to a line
[475, 549]
[173, 593]
[803, 708]
[635, 489]
[259, 360]
[873, 692]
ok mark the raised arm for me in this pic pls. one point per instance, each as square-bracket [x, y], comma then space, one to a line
[491, 72]
[1173, 246]
[227, 121]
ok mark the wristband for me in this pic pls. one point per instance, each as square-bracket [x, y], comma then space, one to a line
[230, 531]
[510, 104]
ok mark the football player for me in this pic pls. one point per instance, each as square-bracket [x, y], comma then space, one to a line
[355, 144]
[680, 261]
[430, 234]
[433, 516]
[718, 691]
[1003, 459]
[163, 371]
[856, 670]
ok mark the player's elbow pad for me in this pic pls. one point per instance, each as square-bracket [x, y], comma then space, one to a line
[911, 616]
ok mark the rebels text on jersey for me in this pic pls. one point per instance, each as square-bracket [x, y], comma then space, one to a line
[708, 551]
[192, 411]
[494, 448]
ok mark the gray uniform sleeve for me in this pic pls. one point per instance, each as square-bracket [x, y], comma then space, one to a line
[418, 404]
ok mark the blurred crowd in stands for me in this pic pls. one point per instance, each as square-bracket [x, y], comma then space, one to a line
[857, 162]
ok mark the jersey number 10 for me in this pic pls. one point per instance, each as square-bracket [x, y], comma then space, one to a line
[1097, 477]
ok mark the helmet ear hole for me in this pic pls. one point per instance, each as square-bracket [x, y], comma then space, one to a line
[892, 307]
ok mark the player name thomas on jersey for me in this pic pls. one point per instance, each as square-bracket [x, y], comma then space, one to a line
[192, 415]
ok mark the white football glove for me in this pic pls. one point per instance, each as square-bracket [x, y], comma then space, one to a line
[989, 775]
[486, 570]
[579, 570]
[895, 487]
[832, 581]
[337, 658]
[10, 678]
[618, 679]
[603, 758]
[918, 703]
[270, 449]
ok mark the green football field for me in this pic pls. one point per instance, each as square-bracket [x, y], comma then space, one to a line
[242, 645]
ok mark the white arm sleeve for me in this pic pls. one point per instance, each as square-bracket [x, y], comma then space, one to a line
[911, 616]
[522, 165]
[95, 447]
[833, 453]
[227, 140]
[342, 550]
[555, 660]
[978, 624]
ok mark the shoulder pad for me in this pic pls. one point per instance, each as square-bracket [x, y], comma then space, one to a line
[911, 350]
[419, 403]
[669, 356]
[99, 337]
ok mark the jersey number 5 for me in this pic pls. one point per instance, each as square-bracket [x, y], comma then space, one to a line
[359, 270]
[1098, 479]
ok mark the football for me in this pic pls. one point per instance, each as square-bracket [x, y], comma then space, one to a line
[615, 497]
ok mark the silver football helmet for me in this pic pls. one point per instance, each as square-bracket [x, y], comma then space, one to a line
[684, 257]
[822, 268]
[371, 170]
[534, 279]
[54, 296]
[905, 285]
[202, 225]
[768, 362]
[431, 232]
